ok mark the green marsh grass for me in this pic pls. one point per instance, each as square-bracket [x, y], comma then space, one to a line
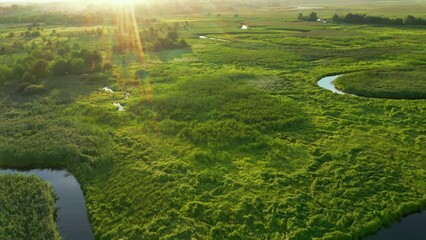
[35, 220]
[409, 83]
[233, 140]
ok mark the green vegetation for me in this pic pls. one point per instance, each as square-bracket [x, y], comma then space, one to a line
[407, 83]
[365, 19]
[27, 208]
[224, 140]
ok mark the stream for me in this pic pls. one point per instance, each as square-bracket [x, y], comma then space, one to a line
[327, 83]
[71, 220]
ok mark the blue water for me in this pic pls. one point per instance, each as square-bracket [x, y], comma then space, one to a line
[71, 220]
[412, 227]
[327, 83]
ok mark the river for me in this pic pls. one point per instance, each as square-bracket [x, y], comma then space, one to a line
[327, 83]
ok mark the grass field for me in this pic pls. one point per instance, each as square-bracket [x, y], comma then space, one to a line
[394, 84]
[231, 139]
[27, 208]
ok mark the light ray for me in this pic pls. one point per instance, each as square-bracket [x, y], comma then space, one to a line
[137, 35]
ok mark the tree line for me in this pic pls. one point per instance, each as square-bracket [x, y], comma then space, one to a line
[365, 19]
[355, 18]
[156, 37]
[63, 61]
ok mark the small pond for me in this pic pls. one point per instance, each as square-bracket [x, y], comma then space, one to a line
[72, 220]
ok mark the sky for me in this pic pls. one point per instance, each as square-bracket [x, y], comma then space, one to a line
[85, 1]
[8, 1]
[31, 1]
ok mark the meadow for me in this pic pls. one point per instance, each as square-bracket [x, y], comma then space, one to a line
[225, 139]
[387, 83]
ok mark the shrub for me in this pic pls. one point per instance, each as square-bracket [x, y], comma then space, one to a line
[22, 86]
[33, 90]
[78, 66]
[61, 67]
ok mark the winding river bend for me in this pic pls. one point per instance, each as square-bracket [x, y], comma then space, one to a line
[327, 83]
[71, 220]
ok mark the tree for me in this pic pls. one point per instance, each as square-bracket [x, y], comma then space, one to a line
[78, 66]
[107, 66]
[60, 67]
[336, 18]
[183, 43]
[313, 17]
[398, 21]
[99, 32]
[62, 52]
[93, 60]
[167, 43]
[11, 35]
[410, 20]
[97, 57]
[40, 68]
[173, 36]
[35, 34]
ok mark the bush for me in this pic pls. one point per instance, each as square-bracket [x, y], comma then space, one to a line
[22, 86]
[96, 77]
[40, 68]
[33, 90]
[5, 73]
[18, 71]
[78, 66]
[28, 77]
[61, 67]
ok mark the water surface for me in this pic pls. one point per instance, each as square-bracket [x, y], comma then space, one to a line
[328, 84]
[412, 227]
